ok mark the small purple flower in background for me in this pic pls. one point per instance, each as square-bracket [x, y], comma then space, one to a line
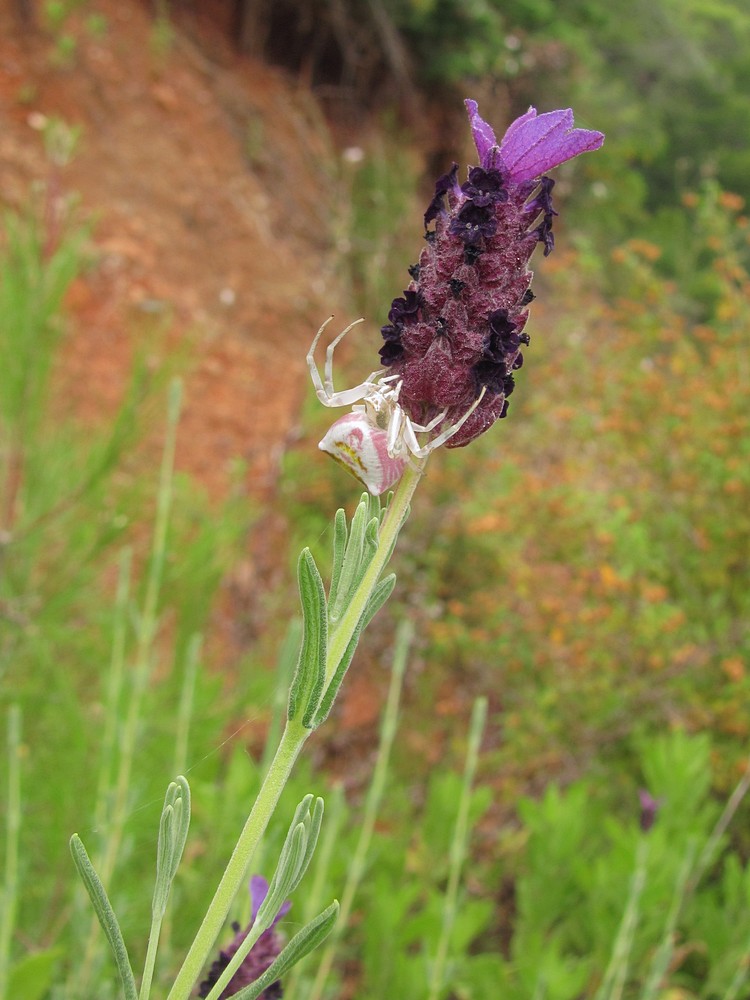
[265, 950]
[458, 329]
[649, 809]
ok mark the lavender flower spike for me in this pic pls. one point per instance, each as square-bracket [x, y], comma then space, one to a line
[265, 950]
[453, 340]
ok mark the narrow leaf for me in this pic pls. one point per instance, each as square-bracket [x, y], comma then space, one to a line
[340, 535]
[290, 857]
[173, 831]
[309, 677]
[351, 568]
[311, 842]
[106, 915]
[377, 599]
[301, 944]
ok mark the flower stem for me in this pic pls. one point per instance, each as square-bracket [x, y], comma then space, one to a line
[389, 529]
[292, 741]
[358, 862]
[148, 969]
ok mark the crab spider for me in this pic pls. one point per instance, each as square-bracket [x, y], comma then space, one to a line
[377, 440]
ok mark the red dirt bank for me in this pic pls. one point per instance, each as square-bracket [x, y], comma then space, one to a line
[209, 179]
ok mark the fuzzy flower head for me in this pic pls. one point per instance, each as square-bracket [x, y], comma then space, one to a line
[457, 332]
[263, 953]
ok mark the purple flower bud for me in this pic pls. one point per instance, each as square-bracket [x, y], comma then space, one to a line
[263, 953]
[458, 328]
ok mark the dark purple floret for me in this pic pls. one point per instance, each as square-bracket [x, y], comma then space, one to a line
[485, 187]
[542, 202]
[390, 353]
[472, 254]
[473, 223]
[404, 309]
[459, 328]
[491, 376]
[391, 332]
[503, 338]
[448, 182]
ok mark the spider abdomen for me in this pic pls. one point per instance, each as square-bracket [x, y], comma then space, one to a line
[362, 448]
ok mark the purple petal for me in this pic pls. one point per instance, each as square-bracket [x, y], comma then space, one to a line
[536, 143]
[285, 908]
[258, 892]
[484, 136]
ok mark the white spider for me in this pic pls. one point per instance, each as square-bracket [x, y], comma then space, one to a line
[377, 439]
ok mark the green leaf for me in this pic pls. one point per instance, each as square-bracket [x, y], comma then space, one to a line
[301, 944]
[310, 675]
[106, 915]
[173, 831]
[340, 536]
[31, 977]
[378, 597]
[294, 858]
[353, 558]
[313, 832]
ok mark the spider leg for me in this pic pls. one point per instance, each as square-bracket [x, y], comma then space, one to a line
[447, 434]
[397, 420]
[432, 424]
[410, 438]
[314, 373]
[329, 357]
[324, 389]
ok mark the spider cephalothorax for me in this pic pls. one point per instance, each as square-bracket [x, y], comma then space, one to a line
[378, 438]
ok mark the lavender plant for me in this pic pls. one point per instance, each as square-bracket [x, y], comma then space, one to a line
[451, 347]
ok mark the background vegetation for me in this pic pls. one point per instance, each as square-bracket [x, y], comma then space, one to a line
[584, 566]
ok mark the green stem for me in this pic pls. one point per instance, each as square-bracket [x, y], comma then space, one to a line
[148, 968]
[292, 741]
[614, 978]
[13, 826]
[458, 848]
[358, 863]
[394, 518]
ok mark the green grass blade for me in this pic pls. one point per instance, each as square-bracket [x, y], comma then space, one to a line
[458, 848]
[13, 830]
